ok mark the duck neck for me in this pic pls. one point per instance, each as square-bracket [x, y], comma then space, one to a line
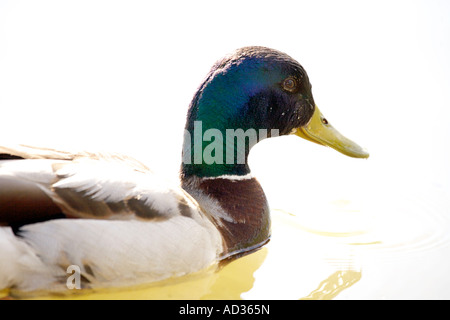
[237, 206]
[216, 151]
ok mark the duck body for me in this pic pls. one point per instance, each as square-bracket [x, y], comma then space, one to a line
[125, 224]
[121, 224]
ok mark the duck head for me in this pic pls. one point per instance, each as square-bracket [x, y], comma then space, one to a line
[252, 94]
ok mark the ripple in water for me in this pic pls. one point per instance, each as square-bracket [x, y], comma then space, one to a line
[389, 225]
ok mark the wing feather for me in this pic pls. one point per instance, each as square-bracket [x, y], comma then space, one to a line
[94, 185]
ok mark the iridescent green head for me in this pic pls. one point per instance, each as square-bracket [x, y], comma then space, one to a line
[251, 94]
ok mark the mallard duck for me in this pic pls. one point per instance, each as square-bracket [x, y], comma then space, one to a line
[118, 223]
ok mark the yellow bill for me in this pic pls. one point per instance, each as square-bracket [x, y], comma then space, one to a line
[318, 130]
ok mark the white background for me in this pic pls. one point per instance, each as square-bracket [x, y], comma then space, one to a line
[119, 76]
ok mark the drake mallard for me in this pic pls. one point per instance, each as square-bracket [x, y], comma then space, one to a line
[121, 224]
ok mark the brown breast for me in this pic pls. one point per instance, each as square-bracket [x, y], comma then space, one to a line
[247, 222]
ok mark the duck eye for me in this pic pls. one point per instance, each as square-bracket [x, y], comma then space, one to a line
[290, 84]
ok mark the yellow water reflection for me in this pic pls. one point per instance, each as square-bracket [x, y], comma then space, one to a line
[334, 284]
